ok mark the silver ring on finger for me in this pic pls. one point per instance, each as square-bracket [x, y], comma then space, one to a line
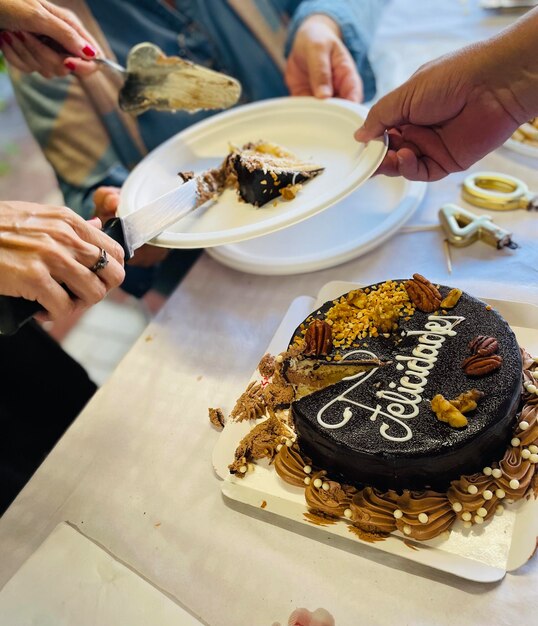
[101, 262]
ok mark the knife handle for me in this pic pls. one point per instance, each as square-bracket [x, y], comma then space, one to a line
[114, 229]
[16, 311]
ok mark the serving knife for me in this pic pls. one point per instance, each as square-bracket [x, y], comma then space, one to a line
[131, 232]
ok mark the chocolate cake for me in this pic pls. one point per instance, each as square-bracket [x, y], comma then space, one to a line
[266, 171]
[378, 428]
[401, 406]
[260, 172]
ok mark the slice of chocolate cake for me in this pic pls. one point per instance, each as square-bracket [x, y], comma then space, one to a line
[266, 171]
[259, 171]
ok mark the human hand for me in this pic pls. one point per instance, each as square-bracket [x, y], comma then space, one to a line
[45, 250]
[106, 201]
[22, 20]
[448, 115]
[319, 63]
[304, 617]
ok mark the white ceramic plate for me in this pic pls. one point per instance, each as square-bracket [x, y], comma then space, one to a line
[317, 130]
[353, 226]
[521, 147]
[482, 554]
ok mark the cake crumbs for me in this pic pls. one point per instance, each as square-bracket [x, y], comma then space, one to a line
[216, 417]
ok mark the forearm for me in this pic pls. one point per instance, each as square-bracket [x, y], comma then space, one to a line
[512, 57]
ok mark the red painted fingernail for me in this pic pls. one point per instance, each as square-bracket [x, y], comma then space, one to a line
[7, 38]
[70, 65]
[20, 36]
[88, 51]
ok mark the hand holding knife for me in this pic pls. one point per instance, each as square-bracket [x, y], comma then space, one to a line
[131, 232]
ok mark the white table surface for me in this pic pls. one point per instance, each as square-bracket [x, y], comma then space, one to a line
[134, 471]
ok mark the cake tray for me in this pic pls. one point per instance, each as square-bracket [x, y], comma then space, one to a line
[481, 553]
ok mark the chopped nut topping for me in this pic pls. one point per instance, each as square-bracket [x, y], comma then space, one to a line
[368, 312]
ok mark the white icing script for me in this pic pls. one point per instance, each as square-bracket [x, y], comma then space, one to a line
[405, 398]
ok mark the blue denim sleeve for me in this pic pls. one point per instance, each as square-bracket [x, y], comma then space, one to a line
[357, 20]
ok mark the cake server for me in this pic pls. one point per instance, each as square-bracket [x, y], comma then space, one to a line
[131, 232]
[153, 80]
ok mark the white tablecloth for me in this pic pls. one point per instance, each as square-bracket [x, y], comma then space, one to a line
[134, 471]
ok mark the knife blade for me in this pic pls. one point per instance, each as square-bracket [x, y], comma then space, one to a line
[131, 232]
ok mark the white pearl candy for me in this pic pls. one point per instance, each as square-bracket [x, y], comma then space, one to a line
[472, 489]
[307, 469]
[500, 493]
[307, 480]
[466, 517]
[482, 512]
[407, 529]
[478, 519]
[279, 447]
[533, 458]
[496, 473]
[524, 425]
[515, 442]
[487, 495]
[243, 469]
[279, 358]
[487, 471]
[457, 506]
[533, 449]
[318, 482]
[514, 483]
[398, 514]
[423, 518]
[526, 454]
[467, 524]
[532, 388]
[348, 513]
[325, 486]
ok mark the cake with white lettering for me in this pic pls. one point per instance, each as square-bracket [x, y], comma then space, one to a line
[378, 427]
[400, 406]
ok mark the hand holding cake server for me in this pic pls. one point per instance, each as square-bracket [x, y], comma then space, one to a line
[459, 107]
